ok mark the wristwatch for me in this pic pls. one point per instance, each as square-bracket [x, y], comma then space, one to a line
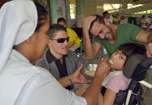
[69, 79]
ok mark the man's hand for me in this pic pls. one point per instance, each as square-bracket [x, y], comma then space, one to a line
[149, 50]
[81, 90]
[103, 68]
[87, 22]
[78, 77]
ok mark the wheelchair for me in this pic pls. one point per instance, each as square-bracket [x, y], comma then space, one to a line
[135, 69]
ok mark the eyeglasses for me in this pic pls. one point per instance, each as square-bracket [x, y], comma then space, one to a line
[61, 40]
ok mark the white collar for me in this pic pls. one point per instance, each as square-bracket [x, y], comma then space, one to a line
[110, 75]
[15, 55]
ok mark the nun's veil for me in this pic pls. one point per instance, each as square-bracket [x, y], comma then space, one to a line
[18, 21]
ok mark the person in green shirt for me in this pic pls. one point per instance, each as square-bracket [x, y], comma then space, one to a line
[111, 36]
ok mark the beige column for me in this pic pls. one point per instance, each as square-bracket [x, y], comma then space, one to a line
[68, 19]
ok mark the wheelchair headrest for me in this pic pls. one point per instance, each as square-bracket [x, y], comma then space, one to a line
[136, 66]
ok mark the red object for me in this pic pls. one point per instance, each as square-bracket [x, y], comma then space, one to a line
[1, 3]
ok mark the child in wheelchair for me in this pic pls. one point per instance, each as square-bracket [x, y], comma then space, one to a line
[116, 82]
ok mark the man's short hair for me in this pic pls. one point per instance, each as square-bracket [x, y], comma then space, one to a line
[104, 13]
[99, 19]
[54, 28]
[61, 20]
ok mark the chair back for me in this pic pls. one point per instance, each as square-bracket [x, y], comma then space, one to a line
[135, 69]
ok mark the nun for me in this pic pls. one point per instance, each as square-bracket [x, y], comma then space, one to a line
[23, 38]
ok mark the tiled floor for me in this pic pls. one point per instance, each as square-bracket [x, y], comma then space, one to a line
[147, 93]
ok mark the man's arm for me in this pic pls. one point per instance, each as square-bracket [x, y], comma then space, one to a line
[91, 50]
[145, 37]
[64, 81]
[71, 44]
[92, 93]
[76, 77]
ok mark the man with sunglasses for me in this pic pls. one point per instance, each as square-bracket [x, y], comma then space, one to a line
[62, 63]
[74, 40]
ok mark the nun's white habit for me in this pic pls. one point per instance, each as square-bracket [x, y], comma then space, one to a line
[21, 83]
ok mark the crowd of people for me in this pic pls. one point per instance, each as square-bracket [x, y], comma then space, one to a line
[29, 75]
[113, 19]
[146, 23]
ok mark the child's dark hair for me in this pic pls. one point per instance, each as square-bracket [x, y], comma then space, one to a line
[61, 20]
[130, 49]
[143, 16]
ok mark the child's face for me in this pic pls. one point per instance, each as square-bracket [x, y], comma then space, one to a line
[118, 59]
[117, 16]
[62, 23]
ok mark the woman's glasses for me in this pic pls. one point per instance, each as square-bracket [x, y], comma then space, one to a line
[61, 40]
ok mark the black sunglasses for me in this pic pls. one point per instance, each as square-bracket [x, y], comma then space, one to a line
[61, 40]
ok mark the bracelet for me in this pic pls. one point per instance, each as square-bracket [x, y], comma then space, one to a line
[69, 80]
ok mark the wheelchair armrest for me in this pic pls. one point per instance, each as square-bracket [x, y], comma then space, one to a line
[146, 84]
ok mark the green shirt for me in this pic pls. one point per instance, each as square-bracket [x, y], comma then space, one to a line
[126, 33]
